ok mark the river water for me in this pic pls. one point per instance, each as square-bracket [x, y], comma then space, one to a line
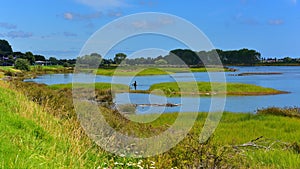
[289, 81]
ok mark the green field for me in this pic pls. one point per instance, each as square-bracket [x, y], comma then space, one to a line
[172, 89]
[44, 133]
[146, 71]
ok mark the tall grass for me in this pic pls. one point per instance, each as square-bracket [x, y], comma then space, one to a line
[172, 89]
[39, 129]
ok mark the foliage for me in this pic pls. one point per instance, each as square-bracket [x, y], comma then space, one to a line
[29, 56]
[201, 58]
[242, 56]
[161, 62]
[42, 131]
[287, 111]
[90, 61]
[39, 58]
[118, 59]
[5, 47]
[22, 64]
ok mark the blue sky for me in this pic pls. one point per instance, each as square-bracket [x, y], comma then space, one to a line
[60, 28]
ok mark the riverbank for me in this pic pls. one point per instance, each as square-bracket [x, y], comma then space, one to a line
[38, 130]
[10, 71]
[148, 71]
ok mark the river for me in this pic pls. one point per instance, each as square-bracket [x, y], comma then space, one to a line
[288, 80]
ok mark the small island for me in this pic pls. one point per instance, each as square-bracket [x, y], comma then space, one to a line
[174, 89]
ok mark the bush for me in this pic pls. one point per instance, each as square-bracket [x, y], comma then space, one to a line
[287, 111]
[22, 64]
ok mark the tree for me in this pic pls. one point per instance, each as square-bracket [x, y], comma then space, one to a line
[287, 60]
[119, 58]
[53, 61]
[39, 58]
[5, 47]
[93, 60]
[161, 62]
[22, 64]
[29, 56]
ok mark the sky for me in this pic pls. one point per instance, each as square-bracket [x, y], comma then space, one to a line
[60, 28]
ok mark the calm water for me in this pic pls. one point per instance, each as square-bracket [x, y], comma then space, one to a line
[289, 80]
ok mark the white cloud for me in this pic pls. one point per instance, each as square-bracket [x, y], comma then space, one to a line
[68, 16]
[103, 4]
[276, 22]
[142, 23]
[78, 16]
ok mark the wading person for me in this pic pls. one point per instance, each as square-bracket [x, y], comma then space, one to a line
[134, 85]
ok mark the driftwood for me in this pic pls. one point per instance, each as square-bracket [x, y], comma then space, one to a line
[261, 143]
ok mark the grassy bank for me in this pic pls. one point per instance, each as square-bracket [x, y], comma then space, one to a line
[99, 86]
[38, 131]
[32, 138]
[34, 71]
[172, 89]
[146, 71]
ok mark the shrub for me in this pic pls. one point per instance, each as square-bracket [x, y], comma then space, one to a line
[287, 111]
[22, 64]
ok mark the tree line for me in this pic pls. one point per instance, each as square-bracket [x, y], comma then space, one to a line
[8, 57]
[180, 57]
[174, 57]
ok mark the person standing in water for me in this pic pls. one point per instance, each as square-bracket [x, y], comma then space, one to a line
[134, 85]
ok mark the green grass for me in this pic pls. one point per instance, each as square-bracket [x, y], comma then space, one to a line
[24, 143]
[237, 129]
[148, 71]
[32, 138]
[172, 89]
[9, 69]
[36, 135]
[99, 86]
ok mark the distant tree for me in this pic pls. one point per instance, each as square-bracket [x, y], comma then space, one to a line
[119, 58]
[39, 58]
[106, 62]
[18, 55]
[5, 47]
[53, 61]
[29, 56]
[161, 62]
[93, 60]
[287, 60]
[182, 56]
[22, 64]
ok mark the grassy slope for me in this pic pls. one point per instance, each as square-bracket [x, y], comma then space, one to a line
[31, 138]
[176, 88]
